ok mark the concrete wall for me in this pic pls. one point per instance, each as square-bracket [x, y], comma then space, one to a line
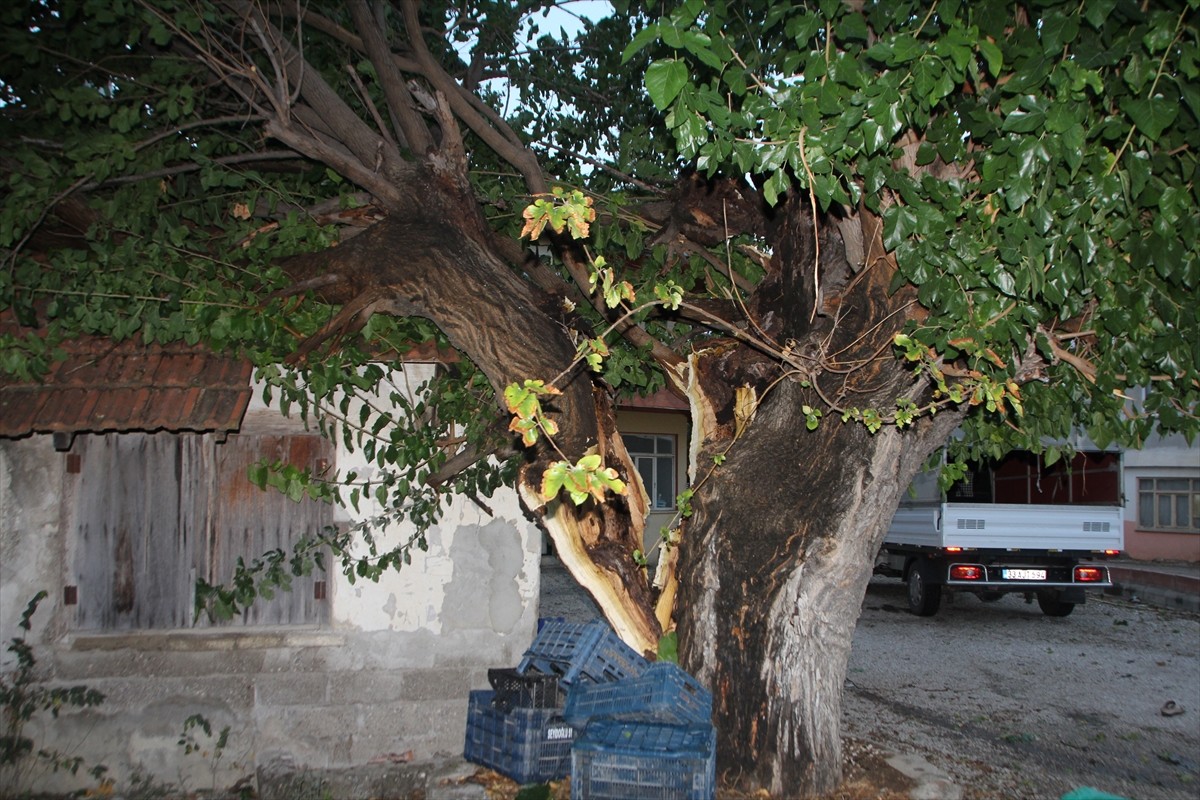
[1168, 457]
[386, 680]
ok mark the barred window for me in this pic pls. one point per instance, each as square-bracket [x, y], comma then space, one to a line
[1169, 504]
[654, 457]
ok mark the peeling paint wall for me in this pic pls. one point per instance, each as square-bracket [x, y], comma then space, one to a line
[385, 680]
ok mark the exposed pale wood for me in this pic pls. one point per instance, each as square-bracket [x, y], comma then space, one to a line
[569, 534]
[664, 610]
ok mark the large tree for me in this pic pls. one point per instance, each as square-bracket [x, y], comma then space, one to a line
[840, 230]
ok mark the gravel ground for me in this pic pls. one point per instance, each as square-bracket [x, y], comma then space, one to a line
[1010, 703]
[1014, 704]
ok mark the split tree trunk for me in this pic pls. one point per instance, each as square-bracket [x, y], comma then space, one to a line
[775, 563]
[775, 559]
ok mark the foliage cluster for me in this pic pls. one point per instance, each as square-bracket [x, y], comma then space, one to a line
[1031, 174]
[24, 697]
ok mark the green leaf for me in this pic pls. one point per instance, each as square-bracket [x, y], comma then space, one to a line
[1002, 279]
[691, 134]
[1021, 121]
[257, 474]
[591, 461]
[640, 40]
[993, 56]
[553, 479]
[1096, 12]
[665, 79]
[1018, 193]
[899, 222]
[700, 45]
[668, 647]
[1151, 115]
[775, 186]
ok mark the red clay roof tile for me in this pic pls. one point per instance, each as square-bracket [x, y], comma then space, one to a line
[107, 386]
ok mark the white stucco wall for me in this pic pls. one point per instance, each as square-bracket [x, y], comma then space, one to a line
[474, 574]
[387, 678]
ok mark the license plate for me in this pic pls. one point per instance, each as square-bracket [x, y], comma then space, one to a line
[1023, 574]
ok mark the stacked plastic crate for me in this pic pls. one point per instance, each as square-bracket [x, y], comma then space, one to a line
[628, 729]
[517, 727]
[645, 737]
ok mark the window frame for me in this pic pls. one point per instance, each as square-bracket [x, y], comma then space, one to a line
[655, 457]
[1150, 496]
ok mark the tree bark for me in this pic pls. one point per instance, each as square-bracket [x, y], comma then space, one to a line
[775, 562]
[775, 559]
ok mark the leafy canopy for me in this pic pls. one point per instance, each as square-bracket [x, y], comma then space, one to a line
[1033, 166]
[1032, 169]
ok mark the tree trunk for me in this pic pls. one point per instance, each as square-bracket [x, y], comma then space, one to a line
[782, 541]
[776, 559]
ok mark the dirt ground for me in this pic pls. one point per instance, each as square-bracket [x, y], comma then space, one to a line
[867, 776]
[1010, 704]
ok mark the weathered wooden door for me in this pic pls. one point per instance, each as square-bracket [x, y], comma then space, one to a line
[154, 512]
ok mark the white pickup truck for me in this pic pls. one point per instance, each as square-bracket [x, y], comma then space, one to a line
[985, 536]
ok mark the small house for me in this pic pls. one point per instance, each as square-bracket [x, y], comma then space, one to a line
[123, 480]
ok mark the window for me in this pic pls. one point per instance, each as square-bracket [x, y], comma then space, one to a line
[654, 457]
[1169, 504]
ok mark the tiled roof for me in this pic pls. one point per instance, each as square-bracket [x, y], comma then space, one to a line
[662, 400]
[127, 386]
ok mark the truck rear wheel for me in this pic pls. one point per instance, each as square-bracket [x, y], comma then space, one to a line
[924, 598]
[1053, 605]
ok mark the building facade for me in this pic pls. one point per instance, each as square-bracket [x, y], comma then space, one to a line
[117, 525]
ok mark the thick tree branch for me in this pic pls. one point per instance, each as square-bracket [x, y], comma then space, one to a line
[346, 125]
[327, 130]
[464, 106]
[482, 119]
[466, 458]
[413, 131]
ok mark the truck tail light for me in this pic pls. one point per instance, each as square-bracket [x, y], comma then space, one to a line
[966, 572]
[1112, 552]
[953, 549]
[1088, 574]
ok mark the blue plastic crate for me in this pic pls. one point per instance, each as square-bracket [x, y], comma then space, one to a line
[662, 693]
[529, 745]
[576, 652]
[530, 689]
[616, 760]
